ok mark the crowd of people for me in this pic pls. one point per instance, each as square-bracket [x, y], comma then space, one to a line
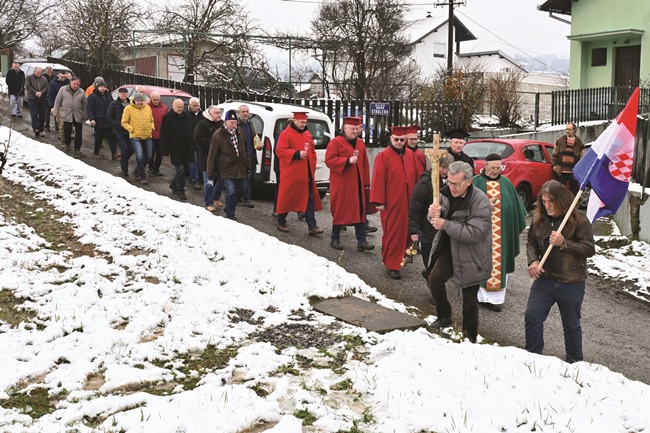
[469, 235]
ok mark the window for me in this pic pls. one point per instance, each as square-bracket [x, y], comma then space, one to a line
[598, 56]
[534, 154]
[439, 49]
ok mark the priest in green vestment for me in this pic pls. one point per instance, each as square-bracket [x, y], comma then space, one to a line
[508, 221]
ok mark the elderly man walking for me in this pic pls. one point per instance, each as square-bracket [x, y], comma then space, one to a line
[228, 147]
[203, 133]
[158, 109]
[175, 133]
[70, 106]
[36, 88]
[16, 89]
[98, 102]
[462, 248]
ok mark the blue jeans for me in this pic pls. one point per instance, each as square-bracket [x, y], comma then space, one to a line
[310, 216]
[37, 109]
[359, 232]
[16, 104]
[142, 149]
[212, 192]
[179, 178]
[194, 168]
[250, 180]
[126, 149]
[234, 190]
[568, 296]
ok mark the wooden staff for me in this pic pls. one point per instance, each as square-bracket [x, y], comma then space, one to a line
[434, 156]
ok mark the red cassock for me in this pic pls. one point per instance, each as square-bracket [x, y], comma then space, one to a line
[393, 180]
[295, 173]
[347, 184]
[420, 161]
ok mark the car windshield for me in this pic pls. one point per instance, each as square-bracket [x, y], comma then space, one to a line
[318, 129]
[481, 149]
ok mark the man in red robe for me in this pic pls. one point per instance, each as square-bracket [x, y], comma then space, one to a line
[297, 190]
[393, 179]
[419, 159]
[347, 160]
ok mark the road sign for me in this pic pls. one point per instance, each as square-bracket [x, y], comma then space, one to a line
[379, 108]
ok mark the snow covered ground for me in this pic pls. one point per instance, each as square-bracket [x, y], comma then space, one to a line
[166, 320]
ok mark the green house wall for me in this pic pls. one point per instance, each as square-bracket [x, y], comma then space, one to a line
[607, 24]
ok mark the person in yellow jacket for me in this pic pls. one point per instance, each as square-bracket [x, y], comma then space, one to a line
[137, 119]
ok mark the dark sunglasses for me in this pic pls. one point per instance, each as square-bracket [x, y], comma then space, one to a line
[399, 139]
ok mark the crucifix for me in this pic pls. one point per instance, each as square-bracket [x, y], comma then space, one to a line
[434, 156]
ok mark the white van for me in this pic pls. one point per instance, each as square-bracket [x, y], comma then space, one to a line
[28, 67]
[269, 120]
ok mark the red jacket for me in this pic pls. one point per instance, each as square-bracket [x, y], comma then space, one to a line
[158, 113]
[295, 172]
[348, 182]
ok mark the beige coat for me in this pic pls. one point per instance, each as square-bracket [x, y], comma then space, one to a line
[70, 105]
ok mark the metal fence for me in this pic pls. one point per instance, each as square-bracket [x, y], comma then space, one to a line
[641, 167]
[430, 115]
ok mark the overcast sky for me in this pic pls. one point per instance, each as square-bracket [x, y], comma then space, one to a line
[512, 26]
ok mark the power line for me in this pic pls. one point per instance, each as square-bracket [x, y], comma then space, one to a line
[510, 45]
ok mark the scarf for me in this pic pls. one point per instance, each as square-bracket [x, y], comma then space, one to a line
[233, 139]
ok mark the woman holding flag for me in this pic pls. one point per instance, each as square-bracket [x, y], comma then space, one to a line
[562, 277]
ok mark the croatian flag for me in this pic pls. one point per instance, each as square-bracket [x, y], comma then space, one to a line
[607, 165]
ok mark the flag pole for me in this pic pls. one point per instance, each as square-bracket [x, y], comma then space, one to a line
[561, 227]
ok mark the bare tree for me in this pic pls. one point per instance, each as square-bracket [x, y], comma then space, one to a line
[504, 97]
[96, 30]
[19, 20]
[361, 41]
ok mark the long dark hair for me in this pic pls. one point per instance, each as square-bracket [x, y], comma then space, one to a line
[561, 198]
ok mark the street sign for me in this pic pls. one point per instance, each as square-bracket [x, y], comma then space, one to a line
[379, 108]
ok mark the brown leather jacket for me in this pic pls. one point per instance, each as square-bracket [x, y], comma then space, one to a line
[560, 144]
[563, 265]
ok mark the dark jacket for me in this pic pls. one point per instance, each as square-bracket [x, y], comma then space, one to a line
[176, 138]
[470, 236]
[462, 157]
[244, 126]
[34, 84]
[418, 208]
[114, 115]
[16, 82]
[202, 135]
[53, 90]
[231, 165]
[194, 120]
[563, 265]
[98, 108]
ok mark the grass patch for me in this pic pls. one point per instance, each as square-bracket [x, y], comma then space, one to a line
[34, 403]
[307, 417]
[19, 205]
[11, 311]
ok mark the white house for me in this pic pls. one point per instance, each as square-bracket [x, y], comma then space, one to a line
[490, 61]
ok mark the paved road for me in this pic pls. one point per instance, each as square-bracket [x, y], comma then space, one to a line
[615, 327]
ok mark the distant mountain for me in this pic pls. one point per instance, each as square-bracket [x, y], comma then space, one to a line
[546, 63]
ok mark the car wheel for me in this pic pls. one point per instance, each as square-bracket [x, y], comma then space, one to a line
[584, 198]
[285, 93]
[523, 191]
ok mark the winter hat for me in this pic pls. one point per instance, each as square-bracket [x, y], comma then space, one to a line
[230, 115]
[98, 80]
[138, 97]
[101, 84]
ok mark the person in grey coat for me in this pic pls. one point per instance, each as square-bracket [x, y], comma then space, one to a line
[36, 89]
[71, 104]
[462, 248]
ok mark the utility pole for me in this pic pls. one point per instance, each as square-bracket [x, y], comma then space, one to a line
[450, 31]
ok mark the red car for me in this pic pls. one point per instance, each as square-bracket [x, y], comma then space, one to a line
[527, 163]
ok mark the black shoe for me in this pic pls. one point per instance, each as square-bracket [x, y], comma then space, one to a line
[371, 229]
[395, 275]
[197, 185]
[247, 203]
[172, 186]
[124, 173]
[336, 244]
[364, 246]
[47, 128]
[301, 215]
[157, 173]
[441, 323]
[181, 195]
[13, 115]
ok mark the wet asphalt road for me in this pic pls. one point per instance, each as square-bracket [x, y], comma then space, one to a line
[615, 327]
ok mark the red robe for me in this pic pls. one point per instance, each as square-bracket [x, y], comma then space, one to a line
[393, 180]
[295, 173]
[420, 160]
[347, 184]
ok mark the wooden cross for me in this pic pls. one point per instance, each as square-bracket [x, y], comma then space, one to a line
[434, 156]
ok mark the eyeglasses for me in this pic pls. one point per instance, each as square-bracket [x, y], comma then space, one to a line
[399, 139]
[498, 167]
[456, 184]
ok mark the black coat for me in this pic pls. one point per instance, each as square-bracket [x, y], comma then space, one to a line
[176, 138]
[202, 136]
[114, 116]
[462, 157]
[419, 206]
[97, 108]
[193, 120]
[16, 82]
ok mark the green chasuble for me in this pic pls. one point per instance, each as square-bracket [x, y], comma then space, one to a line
[508, 221]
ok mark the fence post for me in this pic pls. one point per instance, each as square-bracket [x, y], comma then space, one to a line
[536, 111]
